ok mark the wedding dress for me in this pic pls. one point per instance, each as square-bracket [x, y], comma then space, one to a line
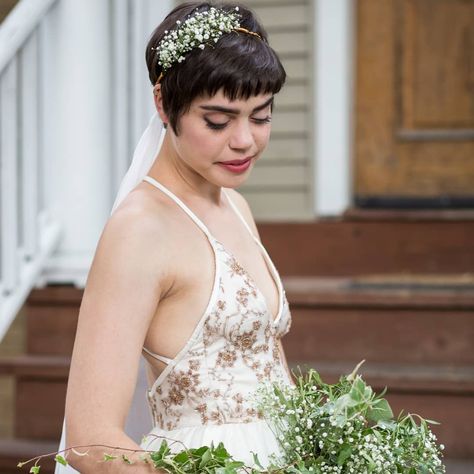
[204, 394]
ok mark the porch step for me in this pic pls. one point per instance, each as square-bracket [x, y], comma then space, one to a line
[414, 331]
[13, 451]
[415, 334]
[52, 314]
[364, 318]
[373, 243]
[40, 391]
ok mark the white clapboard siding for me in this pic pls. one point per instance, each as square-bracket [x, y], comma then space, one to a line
[280, 186]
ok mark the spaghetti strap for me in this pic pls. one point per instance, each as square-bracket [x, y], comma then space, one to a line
[236, 209]
[164, 359]
[181, 204]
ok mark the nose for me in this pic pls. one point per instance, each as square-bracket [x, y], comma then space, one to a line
[242, 137]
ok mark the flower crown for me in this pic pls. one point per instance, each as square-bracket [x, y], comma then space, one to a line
[200, 29]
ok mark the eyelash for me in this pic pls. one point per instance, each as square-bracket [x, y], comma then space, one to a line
[215, 126]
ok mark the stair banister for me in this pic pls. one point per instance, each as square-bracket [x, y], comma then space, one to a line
[28, 235]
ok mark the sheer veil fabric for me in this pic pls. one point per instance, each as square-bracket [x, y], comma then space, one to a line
[147, 149]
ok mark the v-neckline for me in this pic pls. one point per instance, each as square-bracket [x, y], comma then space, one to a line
[204, 228]
[273, 276]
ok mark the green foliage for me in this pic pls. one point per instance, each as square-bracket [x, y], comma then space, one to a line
[58, 458]
[346, 427]
[215, 460]
[322, 428]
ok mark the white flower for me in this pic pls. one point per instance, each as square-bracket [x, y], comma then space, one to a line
[205, 25]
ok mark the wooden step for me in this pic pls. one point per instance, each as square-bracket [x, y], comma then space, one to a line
[402, 325]
[40, 387]
[13, 451]
[52, 314]
[345, 246]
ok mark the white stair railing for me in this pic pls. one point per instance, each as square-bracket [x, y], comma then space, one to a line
[28, 235]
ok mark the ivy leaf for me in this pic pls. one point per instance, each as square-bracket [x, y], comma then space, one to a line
[205, 458]
[380, 410]
[60, 460]
[109, 457]
[35, 469]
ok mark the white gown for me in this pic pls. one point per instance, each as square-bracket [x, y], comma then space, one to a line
[204, 393]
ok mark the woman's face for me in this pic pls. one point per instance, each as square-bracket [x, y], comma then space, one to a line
[215, 131]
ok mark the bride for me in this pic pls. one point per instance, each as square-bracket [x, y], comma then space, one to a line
[180, 275]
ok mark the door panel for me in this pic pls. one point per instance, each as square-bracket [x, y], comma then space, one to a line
[414, 138]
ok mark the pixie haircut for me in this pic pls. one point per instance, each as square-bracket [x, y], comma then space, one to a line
[242, 65]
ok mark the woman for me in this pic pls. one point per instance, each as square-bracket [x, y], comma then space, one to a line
[180, 274]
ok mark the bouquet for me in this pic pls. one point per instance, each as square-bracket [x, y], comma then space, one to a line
[341, 428]
[346, 428]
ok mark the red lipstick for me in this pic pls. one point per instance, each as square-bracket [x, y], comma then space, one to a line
[236, 166]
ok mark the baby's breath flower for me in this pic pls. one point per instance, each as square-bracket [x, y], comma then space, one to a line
[202, 26]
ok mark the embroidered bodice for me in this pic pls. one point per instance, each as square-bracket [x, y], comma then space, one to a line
[231, 350]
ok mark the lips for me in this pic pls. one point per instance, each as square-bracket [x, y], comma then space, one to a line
[236, 162]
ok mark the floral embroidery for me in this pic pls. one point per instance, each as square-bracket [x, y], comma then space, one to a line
[236, 348]
[226, 358]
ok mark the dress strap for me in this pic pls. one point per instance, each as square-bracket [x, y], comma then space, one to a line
[164, 359]
[236, 210]
[180, 203]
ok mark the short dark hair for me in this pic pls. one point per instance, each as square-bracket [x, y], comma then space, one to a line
[242, 64]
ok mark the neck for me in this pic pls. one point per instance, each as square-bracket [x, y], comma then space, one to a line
[170, 170]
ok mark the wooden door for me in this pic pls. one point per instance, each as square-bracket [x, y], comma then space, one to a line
[414, 105]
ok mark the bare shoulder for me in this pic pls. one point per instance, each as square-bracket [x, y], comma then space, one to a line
[137, 235]
[244, 209]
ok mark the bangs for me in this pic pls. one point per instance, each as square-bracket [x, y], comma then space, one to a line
[241, 66]
[242, 69]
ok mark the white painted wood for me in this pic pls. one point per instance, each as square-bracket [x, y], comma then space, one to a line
[9, 179]
[30, 271]
[120, 87]
[77, 90]
[29, 144]
[334, 50]
[18, 25]
[279, 205]
[139, 82]
[27, 235]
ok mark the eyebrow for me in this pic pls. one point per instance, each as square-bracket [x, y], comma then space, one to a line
[227, 110]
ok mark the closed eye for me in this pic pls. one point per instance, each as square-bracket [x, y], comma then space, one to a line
[221, 126]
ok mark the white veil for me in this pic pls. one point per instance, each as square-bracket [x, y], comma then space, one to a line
[139, 419]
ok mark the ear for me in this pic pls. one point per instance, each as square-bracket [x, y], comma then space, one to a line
[159, 104]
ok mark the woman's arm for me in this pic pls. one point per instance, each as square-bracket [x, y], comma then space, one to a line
[127, 278]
